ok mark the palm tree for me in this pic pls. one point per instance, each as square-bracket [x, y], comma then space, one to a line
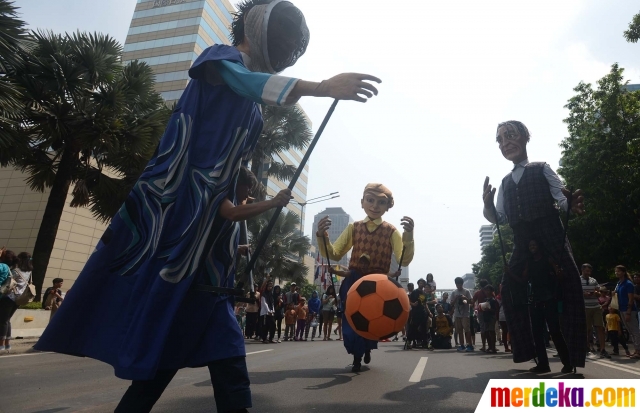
[88, 121]
[284, 128]
[13, 44]
[284, 246]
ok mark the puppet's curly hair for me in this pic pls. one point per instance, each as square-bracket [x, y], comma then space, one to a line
[236, 35]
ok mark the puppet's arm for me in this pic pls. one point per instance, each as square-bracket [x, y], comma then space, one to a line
[339, 272]
[338, 249]
[276, 90]
[398, 241]
[490, 213]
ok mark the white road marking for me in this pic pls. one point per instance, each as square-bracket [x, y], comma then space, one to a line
[417, 373]
[261, 351]
[26, 354]
[637, 373]
[613, 363]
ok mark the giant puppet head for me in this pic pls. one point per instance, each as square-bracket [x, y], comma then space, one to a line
[512, 137]
[275, 31]
[376, 200]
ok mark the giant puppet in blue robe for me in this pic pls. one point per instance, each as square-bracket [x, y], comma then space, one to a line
[133, 305]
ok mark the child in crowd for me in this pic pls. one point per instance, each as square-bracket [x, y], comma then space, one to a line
[614, 331]
[431, 305]
[314, 309]
[239, 312]
[443, 329]
[290, 322]
[301, 314]
[489, 311]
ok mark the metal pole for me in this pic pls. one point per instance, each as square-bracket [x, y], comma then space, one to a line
[276, 213]
[400, 263]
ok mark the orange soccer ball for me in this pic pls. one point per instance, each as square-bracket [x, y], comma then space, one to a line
[377, 307]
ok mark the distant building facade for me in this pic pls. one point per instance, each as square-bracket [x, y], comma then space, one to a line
[339, 222]
[486, 235]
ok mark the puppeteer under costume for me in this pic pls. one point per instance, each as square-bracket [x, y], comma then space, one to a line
[133, 305]
[373, 241]
[529, 199]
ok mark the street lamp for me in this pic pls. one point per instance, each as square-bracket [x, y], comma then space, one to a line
[315, 200]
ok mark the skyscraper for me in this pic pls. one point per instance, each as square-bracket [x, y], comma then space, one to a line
[169, 35]
[339, 221]
[486, 234]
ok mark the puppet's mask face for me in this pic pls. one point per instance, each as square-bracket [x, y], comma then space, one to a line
[374, 205]
[512, 145]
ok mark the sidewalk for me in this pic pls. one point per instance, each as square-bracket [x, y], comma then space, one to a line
[20, 346]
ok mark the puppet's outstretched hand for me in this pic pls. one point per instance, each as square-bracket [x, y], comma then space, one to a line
[349, 86]
[577, 200]
[488, 193]
[323, 226]
[407, 224]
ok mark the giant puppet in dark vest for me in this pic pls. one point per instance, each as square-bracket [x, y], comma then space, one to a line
[529, 199]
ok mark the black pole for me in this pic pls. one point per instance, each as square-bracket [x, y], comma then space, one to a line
[276, 214]
[326, 251]
[504, 257]
[566, 225]
[400, 263]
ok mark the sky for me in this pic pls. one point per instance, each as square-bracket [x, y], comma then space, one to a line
[451, 71]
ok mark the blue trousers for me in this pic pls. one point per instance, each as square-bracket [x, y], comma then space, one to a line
[229, 377]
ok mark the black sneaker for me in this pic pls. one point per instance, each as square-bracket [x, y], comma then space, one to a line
[356, 367]
[540, 369]
[367, 357]
[568, 369]
[604, 355]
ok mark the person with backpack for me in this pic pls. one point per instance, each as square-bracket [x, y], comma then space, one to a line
[20, 270]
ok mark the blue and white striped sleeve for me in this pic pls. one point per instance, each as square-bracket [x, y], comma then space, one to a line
[259, 87]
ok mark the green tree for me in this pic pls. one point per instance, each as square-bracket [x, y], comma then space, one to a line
[601, 156]
[491, 265]
[633, 34]
[285, 128]
[283, 248]
[89, 121]
[14, 42]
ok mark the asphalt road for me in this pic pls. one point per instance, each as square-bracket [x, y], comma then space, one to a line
[288, 377]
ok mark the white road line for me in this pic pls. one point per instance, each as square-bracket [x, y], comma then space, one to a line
[637, 373]
[417, 373]
[261, 351]
[24, 355]
[613, 363]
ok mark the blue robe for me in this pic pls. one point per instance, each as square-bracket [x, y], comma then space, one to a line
[132, 306]
[353, 342]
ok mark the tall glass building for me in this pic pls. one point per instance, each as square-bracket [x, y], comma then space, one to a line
[169, 35]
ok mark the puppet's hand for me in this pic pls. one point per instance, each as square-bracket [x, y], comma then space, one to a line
[488, 193]
[349, 86]
[577, 200]
[407, 224]
[323, 226]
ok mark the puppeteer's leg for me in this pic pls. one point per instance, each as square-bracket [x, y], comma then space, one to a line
[230, 380]
[143, 394]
